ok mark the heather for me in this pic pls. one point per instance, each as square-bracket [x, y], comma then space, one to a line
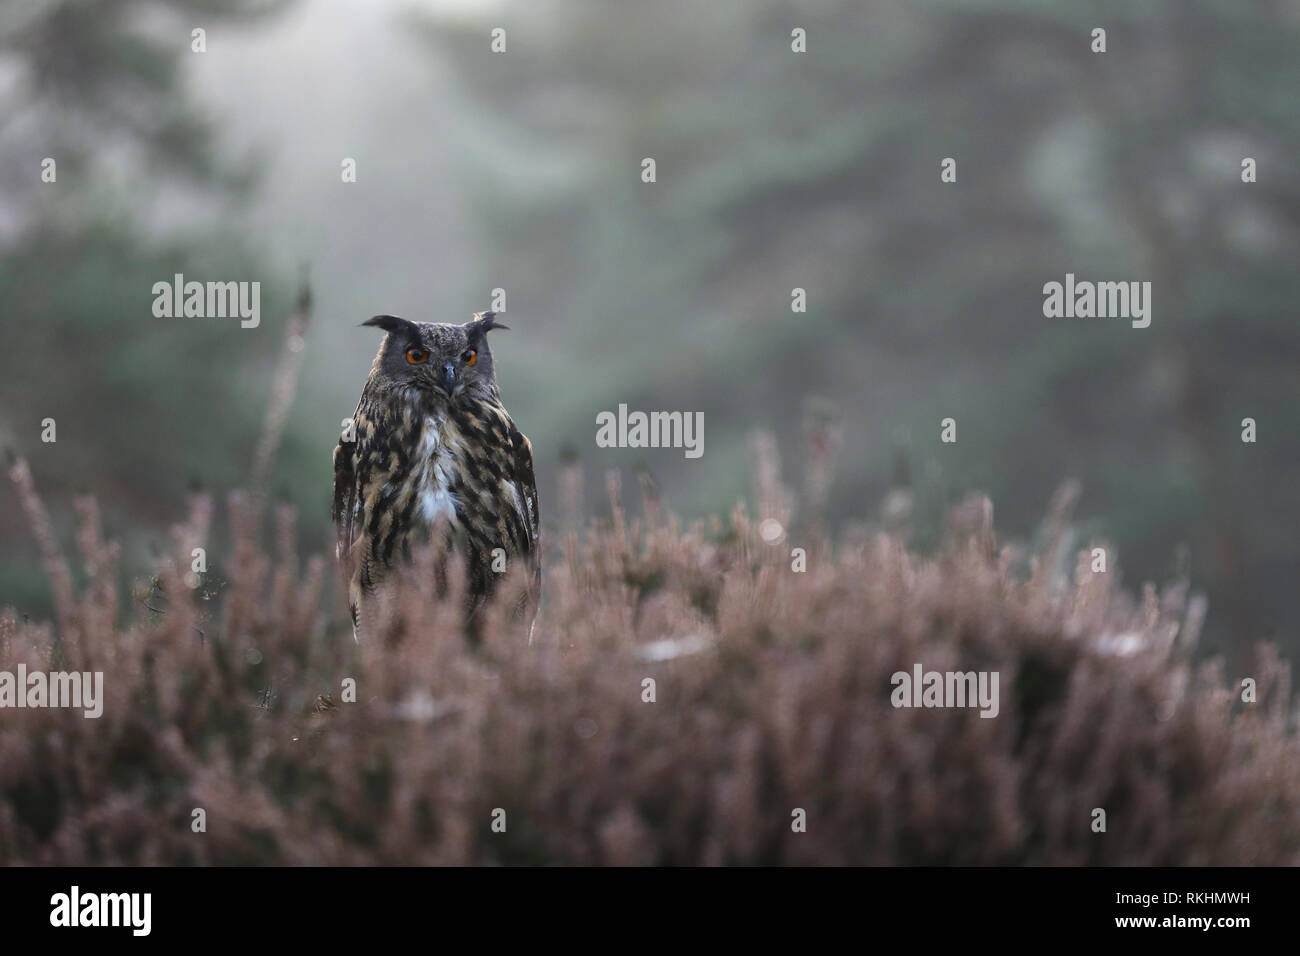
[226, 692]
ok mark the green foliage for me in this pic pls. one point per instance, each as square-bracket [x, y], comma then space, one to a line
[820, 170]
[145, 408]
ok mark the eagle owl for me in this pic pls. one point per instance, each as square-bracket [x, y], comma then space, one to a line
[433, 447]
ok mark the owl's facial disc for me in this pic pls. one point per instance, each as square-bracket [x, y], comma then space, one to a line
[437, 359]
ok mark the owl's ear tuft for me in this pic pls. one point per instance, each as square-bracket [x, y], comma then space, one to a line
[391, 324]
[483, 323]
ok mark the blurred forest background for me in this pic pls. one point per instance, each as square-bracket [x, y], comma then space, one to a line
[521, 170]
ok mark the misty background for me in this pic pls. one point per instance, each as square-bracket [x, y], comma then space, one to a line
[775, 170]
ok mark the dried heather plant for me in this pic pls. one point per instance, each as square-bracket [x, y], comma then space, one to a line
[687, 691]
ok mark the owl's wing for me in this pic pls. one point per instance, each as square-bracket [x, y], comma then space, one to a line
[526, 486]
[346, 504]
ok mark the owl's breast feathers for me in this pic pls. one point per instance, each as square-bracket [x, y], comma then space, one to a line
[410, 468]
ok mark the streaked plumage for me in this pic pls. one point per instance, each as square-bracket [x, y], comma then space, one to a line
[434, 447]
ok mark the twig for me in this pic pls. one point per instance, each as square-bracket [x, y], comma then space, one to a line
[282, 392]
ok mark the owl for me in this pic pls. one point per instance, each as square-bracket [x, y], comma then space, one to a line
[434, 452]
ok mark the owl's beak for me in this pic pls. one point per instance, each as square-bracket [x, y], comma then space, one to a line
[449, 378]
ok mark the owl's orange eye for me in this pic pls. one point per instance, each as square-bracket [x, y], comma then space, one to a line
[469, 357]
[417, 356]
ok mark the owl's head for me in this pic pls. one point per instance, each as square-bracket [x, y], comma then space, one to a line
[446, 361]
